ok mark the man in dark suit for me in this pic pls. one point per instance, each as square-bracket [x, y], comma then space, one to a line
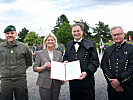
[117, 65]
[85, 51]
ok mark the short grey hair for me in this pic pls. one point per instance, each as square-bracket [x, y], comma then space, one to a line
[78, 24]
[115, 27]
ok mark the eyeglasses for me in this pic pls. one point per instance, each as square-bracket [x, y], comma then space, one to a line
[117, 34]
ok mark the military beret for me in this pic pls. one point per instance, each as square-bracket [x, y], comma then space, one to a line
[9, 28]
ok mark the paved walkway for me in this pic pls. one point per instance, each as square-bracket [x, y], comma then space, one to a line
[100, 86]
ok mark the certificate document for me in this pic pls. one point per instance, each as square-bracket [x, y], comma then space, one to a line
[68, 71]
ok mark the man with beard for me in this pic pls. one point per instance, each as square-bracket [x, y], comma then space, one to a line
[15, 58]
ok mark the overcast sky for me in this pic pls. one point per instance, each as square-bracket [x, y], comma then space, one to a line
[40, 15]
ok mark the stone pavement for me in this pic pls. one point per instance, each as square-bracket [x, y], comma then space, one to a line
[100, 86]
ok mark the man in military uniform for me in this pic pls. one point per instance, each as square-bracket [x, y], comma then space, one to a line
[15, 58]
[85, 51]
[117, 66]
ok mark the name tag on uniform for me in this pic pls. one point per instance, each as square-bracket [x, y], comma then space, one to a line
[11, 51]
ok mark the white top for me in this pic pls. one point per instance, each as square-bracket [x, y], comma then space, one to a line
[51, 55]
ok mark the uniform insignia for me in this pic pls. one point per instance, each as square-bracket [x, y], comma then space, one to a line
[125, 52]
[12, 29]
[11, 51]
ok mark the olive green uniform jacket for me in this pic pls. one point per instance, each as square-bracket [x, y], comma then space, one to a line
[14, 59]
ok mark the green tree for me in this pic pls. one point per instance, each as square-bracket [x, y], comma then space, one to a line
[127, 35]
[87, 33]
[42, 38]
[103, 31]
[22, 34]
[59, 22]
[64, 33]
[93, 38]
[32, 37]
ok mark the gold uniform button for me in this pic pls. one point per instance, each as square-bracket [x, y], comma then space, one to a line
[116, 74]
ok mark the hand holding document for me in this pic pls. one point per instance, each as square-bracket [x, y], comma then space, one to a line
[65, 71]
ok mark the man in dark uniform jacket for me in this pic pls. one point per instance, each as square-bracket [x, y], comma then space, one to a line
[117, 65]
[85, 51]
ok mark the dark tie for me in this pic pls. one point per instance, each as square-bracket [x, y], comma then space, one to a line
[74, 42]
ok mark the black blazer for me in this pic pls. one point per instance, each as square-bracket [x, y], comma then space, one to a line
[89, 62]
[121, 69]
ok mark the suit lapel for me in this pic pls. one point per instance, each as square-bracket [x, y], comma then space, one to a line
[111, 49]
[54, 55]
[46, 54]
[125, 50]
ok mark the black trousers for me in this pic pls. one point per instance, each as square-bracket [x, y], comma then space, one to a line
[16, 87]
[82, 93]
[113, 95]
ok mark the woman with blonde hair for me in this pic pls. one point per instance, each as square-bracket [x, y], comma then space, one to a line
[49, 88]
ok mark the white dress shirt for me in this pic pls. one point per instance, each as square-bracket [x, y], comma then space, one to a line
[77, 45]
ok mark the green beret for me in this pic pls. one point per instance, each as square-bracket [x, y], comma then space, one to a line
[9, 28]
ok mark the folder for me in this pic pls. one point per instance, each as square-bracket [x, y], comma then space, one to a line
[65, 71]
